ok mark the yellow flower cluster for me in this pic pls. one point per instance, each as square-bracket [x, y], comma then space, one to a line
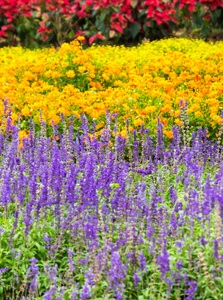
[139, 83]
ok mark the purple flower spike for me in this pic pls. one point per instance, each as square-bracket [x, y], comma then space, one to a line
[163, 262]
[191, 290]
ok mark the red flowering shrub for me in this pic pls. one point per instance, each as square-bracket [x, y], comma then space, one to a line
[198, 15]
[41, 22]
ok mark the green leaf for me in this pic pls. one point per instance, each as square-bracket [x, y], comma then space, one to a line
[94, 12]
[39, 247]
[103, 15]
[27, 25]
[164, 32]
[134, 3]
[135, 29]
[205, 31]
[142, 12]
[100, 25]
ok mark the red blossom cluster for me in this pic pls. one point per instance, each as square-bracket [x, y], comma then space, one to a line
[212, 4]
[191, 4]
[10, 9]
[43, 30]
[121, 13]
[161, 11]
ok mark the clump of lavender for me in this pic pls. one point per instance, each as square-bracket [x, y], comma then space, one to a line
[79, 219]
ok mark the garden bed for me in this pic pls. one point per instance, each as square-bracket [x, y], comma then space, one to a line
[111, 172]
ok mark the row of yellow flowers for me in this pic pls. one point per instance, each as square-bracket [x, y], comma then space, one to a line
[139, 83]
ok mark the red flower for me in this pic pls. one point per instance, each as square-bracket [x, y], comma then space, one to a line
[181, 5]
[191, 8]
[3, 34]
[6, 27]
[44, 37]
[43, 28]
[159, 21]
[79, 32]
[117, 27]
[98, 35]
[207, 17]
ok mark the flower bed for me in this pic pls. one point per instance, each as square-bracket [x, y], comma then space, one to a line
[139, 83]
[98, 200]
[81, 221]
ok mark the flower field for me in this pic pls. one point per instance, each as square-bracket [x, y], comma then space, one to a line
[139, 83]
[111, 172]
[79, 221]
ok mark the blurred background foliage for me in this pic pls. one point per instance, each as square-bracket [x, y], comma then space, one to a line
[37, 23]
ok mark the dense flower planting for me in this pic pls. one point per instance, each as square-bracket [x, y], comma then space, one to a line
[111, 172]
[140, 83]
[37, 22]
[89, 219]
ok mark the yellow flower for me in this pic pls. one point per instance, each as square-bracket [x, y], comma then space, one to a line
[138, 122]
[70, 74]
[216, 118]
[123, 133]
[177, 113]
[193, 108]
[150, 109]
[25, 111]
[178, 122]
[14, 116]
[92, 75]
[29, 75]
[64, 64]
[169, 134]
[166, 70]
[213, 109]
[118, 83]
[80, 38]
[81, 69]
[22, 135]
[198, 113]
[55, 74]
[126, 107]
[166, 108]
[76, 114]
[105, 77]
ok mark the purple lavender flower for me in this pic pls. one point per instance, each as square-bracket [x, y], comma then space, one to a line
[116, 274]
[86, 292]
[170, 283]
[163, 261]
[70, 260]
[136, 280]
[60, 297]
[179, 264]
[142, 262]
[191, 290]
[74, 294]
[49, 295]
[33, 273]
[203, 242]
[4, 270]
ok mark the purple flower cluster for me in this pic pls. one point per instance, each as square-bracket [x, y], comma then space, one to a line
[113, 219]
